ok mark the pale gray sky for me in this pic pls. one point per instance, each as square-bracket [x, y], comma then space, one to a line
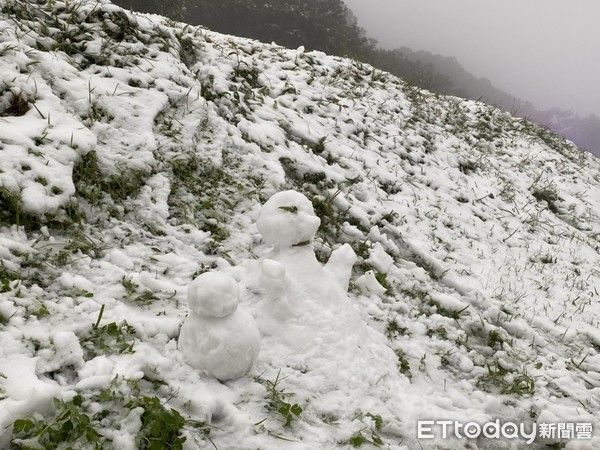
[544, 51]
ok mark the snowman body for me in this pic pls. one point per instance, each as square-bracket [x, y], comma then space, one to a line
[300, 298]
[287, 221]
[308, 322]
[217, 337]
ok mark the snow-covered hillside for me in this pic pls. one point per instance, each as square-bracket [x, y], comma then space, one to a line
[136, 153]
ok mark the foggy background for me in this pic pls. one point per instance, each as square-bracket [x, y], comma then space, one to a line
[543, 51]
[538, 59]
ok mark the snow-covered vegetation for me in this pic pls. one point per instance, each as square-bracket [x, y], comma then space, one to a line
[136, 154]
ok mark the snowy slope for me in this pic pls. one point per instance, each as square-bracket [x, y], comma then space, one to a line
[135, 154]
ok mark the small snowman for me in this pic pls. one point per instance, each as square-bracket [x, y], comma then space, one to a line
[217, 337]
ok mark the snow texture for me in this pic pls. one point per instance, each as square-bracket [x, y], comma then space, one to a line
[403, 255]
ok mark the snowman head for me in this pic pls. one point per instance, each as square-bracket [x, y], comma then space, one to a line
[213, 294]
[287, 219]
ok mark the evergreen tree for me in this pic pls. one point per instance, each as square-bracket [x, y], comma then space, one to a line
[175, 9]
[326, 25]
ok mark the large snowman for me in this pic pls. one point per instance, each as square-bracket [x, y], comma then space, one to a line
[217, 337]
[298, 292]
[308, 322]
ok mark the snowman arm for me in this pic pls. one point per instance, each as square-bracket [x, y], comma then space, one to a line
[340, 264]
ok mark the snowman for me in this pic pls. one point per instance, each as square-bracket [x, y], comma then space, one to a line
[217, 337]
[295, 287]
[308, 323]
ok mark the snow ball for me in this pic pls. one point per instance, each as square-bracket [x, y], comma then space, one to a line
[272, 278]
[213, 294]
[466, 365]
[287, 219]
[66, 280]
[224, 348]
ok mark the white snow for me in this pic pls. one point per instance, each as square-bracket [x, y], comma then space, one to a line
[287, 219]
[369, 284]
[213, 295]
[217, 338]
[301, 180]
[340, 263]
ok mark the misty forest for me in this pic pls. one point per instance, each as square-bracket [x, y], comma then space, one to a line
[329, 26]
